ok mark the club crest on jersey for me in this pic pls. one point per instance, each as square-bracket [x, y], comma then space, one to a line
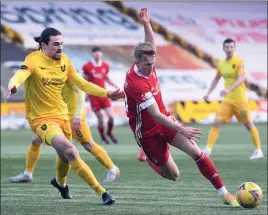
[63, 68]
[44, 127]
[103, 70]
[233, 66]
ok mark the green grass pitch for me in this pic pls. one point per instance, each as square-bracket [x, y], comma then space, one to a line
[139, 190]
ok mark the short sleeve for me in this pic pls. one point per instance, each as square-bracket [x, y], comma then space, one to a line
[71, 70]
[108, 68]
[28, 65]
[219, 71]
[240, 67]
[142, 95]
[85, 69]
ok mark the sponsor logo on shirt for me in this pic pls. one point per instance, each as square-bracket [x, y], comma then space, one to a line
[52, 81]
[98, 75]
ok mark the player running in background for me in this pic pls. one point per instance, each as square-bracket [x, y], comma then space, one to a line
[45, 73]
[153, 127]
[96, 71]
[235, 100]
[75, 99]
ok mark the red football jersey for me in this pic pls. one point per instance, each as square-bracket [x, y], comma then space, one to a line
[140, 93]
[96, 73]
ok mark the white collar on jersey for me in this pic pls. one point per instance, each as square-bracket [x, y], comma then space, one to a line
[95, 63]
[138, 72]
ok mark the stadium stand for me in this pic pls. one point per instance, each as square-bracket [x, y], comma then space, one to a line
[130, 8]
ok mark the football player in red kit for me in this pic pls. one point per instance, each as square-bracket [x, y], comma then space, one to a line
[154, 128]
[96, 71]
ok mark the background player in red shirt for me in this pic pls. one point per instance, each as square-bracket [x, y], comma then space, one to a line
[96, 71]
[152, 124]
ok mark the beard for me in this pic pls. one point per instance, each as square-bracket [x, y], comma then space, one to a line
[57, 56]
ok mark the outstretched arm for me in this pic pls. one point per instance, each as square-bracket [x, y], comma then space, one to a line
[188, 132]
[88, 87]
[92, 89]
[145, 20]
[18, 79]
[109, 81]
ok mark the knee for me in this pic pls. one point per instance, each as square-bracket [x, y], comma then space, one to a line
[71, 153]
[36, 140]
[249, 125]
[175, 176]
[196, 153]
[100, 121]
[88, 146]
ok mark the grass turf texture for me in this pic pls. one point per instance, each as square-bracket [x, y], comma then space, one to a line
[139, 190]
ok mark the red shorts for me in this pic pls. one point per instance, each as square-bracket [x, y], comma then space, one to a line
[156, 147]
[98, 103]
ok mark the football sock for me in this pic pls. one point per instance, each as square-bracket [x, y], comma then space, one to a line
[101, 131]
[62, 170]
[212, 137]
[84, 172]
[255, 137]
[110, 126]
[155, 168]
[222, 191]
[102, 156]
[33, 155]
[209, 171]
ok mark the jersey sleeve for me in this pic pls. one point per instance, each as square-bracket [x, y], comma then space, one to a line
[142, 95]
[85, 69]
[25, 70]
[240, 67]
[218, 71]
[88, 87]
[108, 69]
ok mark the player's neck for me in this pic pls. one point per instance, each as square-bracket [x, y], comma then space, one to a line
[228, 58]
[97, 62]
[50, 59]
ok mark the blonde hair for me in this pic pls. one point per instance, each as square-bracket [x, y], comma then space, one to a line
[147, 48]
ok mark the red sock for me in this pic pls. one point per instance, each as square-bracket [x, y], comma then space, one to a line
[110, 126]
[101, 131]
[208, 170]
[155, 168]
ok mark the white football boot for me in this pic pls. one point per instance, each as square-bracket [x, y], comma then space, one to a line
[257, 154]
[21, 178]
[207, 151]
[111, 175]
